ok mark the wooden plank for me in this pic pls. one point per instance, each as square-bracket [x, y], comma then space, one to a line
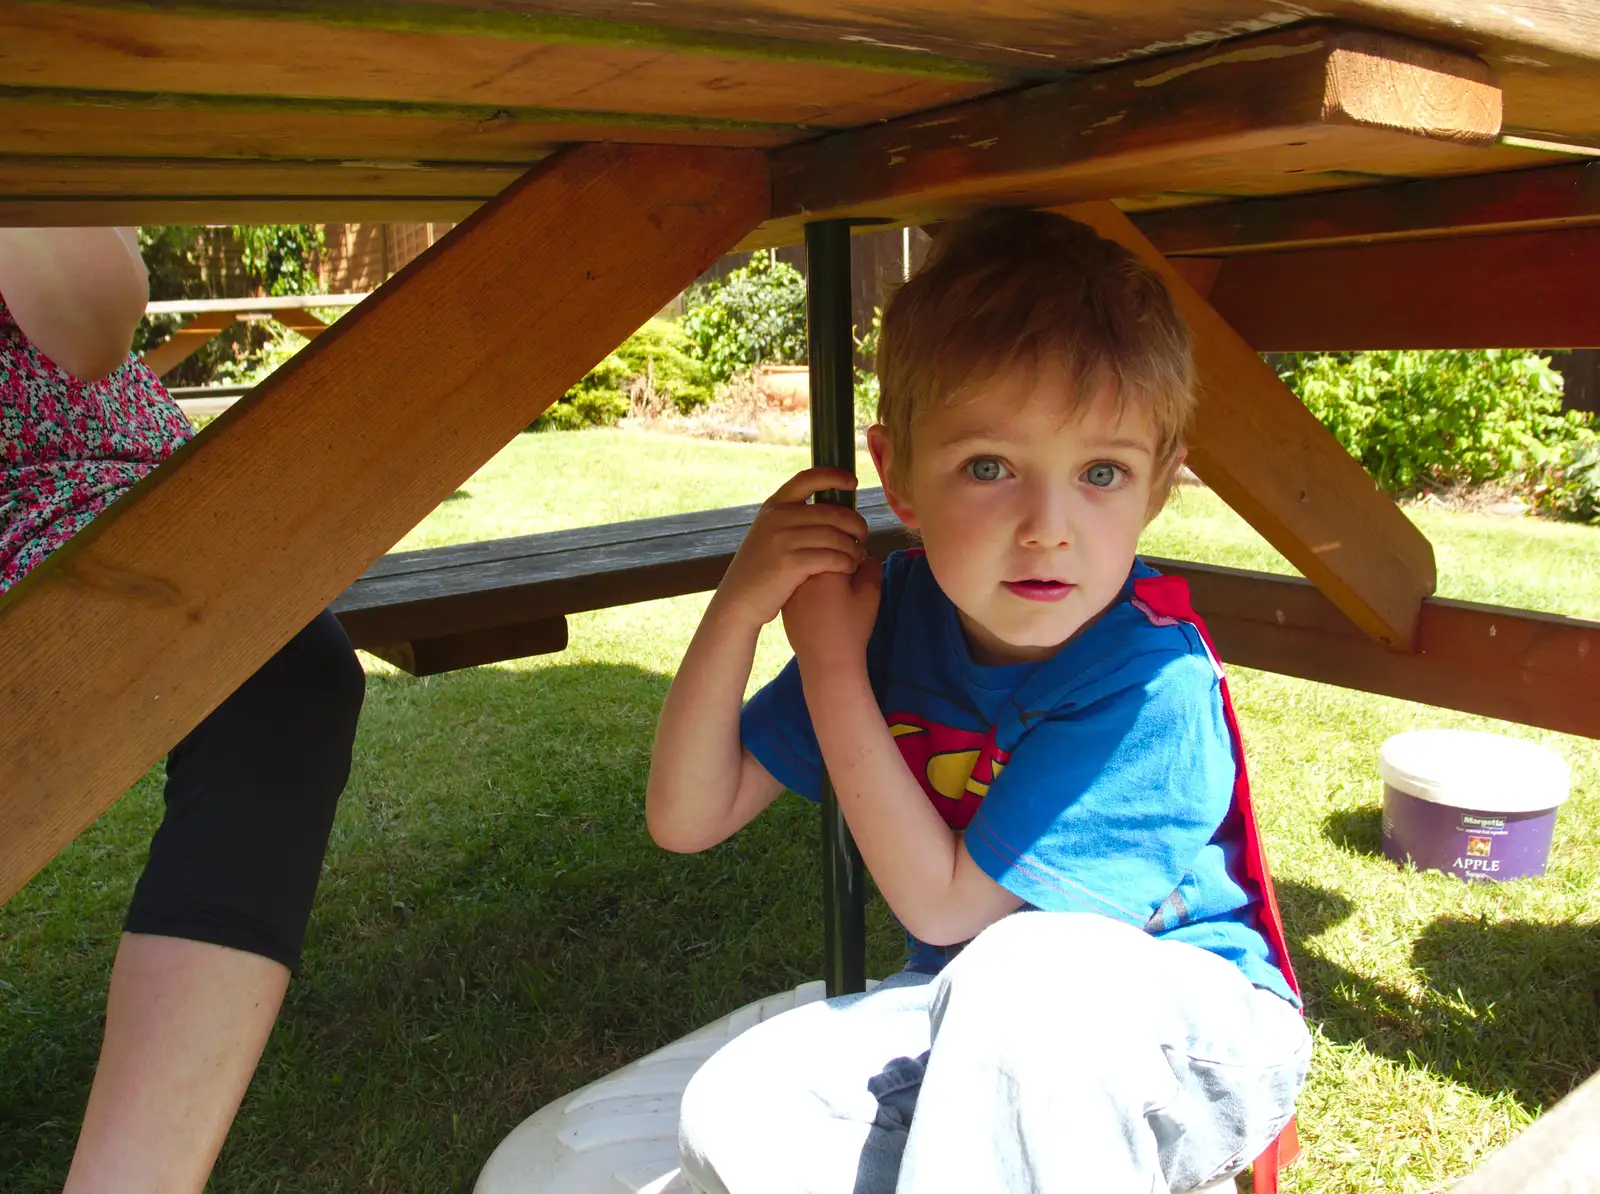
[1269, 458]
[1565, 196]
[1518, 665]
[1319, 99]
[1528, 290]
[457, 590]
[120, 642]
[431, 53]
[100, 123]
[188, 339]
[254, 302]
[1535, 668]
[474, 648]
[80, 177]
[1559, 1153]
[26, 211]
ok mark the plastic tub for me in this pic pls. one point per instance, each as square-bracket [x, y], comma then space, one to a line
[1470, 804]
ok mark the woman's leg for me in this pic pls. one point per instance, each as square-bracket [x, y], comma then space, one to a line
[216, 923]
[185, 1025]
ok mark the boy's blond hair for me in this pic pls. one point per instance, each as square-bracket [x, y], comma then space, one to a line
[1011, 288]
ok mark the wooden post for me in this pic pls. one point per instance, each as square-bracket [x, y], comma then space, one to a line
[119, 643]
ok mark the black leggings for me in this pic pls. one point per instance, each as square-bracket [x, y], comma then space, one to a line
[250, 798]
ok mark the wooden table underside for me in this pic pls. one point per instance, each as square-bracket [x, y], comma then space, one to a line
[1300, 185]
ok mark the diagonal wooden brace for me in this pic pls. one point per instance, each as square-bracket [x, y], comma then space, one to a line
[118, 644]
[1269, 458]
[188, 339]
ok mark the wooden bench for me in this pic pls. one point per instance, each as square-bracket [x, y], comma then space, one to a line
[456, 607]
[446, 608]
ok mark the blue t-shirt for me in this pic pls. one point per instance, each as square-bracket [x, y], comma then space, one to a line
[1097, 780]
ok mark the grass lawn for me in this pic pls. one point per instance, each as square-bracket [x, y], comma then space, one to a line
[494, 927]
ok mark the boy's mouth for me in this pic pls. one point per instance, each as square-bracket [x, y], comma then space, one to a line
[1039, 590]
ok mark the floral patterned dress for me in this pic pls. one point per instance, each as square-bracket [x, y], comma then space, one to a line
[68, 448]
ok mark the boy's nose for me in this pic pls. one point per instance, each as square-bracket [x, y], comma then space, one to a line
[1047, 520]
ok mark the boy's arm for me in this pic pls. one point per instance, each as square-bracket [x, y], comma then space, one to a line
[919, 863]
[704, 786]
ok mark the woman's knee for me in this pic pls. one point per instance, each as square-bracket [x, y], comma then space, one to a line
[318, 669]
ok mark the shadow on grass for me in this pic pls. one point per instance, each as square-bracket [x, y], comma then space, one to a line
[459, 495]
[1511, 1006]
[1358, 830]
[494, 929]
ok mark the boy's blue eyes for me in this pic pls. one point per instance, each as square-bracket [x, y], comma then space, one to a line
[985, 468]
[990, 468]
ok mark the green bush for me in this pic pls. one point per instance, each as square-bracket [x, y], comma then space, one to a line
[866, 387]
[1422, 419]
[656, 356]
[662, 354]
[1570, 488]
[754, 316]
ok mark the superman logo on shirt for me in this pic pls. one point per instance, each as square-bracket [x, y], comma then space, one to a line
[954, 766]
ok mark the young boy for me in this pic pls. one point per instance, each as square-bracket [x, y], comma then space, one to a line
[1019, 716]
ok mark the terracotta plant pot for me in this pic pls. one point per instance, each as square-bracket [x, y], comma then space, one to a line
[785, 387]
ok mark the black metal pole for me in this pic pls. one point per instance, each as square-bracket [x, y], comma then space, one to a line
[833, 442]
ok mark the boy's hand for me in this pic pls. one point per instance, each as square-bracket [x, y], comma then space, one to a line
[790, 542]
[830, 617]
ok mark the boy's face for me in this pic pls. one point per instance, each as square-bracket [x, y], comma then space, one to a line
[1030, 521]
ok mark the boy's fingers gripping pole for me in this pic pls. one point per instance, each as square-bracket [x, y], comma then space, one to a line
[833, 443]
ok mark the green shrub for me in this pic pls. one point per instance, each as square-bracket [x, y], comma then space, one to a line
[1421, 419]
[754, 316]
[1570, 488]
[657, 356]
[662, 353]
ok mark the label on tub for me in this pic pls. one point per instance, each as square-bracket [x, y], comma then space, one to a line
[1473, 845]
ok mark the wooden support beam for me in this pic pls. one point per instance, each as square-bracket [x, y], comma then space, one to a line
[1518, 665]
[1269, 458]
[1516, 201]
[1290, 110]
[1525, 290]
[120, 642]
[99, 123]
[473, 648]
[307, 324]
[187, 340]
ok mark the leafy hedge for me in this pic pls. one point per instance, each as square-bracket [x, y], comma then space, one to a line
[754, 316]
[658, 357]
[1422, 419]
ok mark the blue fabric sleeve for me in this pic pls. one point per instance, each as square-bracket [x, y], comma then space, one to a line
[1105, 807]
[775, 726]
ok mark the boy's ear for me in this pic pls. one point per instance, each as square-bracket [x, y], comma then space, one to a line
[898, 498]
[1165, 484]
